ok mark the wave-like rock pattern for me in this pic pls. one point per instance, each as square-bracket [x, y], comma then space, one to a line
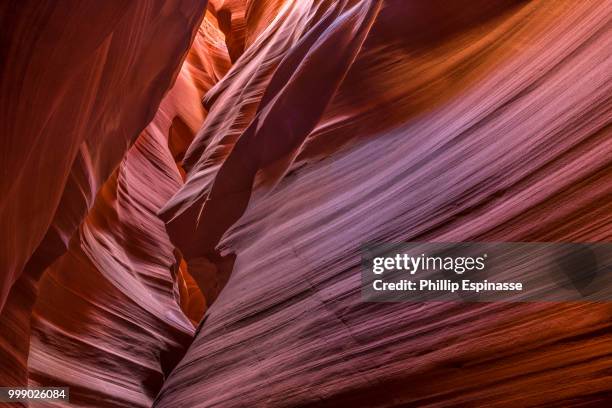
[78, 83]
[292, 133]
[116, 312]
[480, 120]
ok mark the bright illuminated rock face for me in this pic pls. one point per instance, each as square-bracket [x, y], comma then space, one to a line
[293, 132]
[476, 121]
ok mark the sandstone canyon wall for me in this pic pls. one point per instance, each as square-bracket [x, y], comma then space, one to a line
[367, 121]
[79, 82]
[120, 287]
[82, 82]
[187, 187]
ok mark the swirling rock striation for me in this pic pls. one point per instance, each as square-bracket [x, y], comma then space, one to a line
[116, 312]
[78, 83]
[145, 197]
[472, 121]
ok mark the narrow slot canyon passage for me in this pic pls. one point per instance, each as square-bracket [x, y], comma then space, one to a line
[188, 186]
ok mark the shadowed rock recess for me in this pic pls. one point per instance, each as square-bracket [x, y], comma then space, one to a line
[186, 186]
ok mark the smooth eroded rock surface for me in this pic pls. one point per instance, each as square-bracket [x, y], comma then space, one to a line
[466, 121]
[116, 313]
[187, 185]
[78, 83]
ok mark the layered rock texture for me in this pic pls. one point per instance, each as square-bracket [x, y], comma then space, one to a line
[84, 83]
[187, 187]
[122, 288]
[79, 82]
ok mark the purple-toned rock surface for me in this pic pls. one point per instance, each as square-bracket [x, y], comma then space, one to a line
[187, 185]
[487, 121]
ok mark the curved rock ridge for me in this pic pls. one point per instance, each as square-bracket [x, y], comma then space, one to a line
[117, 311]
[259, 16]
[188, 185]
[77, 78]
[354, 121]
[231, 17]
[78, 83]
[246, 83]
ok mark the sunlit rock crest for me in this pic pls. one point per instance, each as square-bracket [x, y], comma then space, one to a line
[167, 161]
